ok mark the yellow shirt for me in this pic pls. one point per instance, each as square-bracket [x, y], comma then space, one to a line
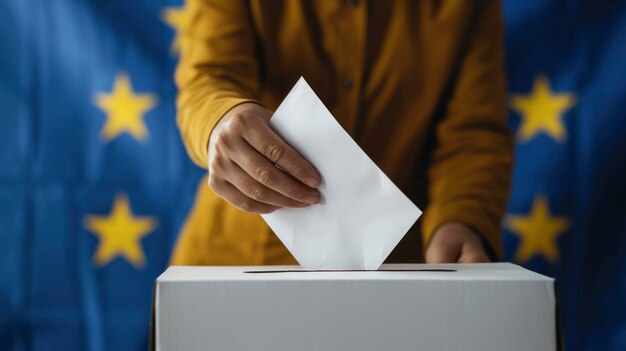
[418, 84]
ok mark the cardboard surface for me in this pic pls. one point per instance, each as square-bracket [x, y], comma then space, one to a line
[482, 307]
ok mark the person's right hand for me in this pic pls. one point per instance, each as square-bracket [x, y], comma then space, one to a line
[251, 167]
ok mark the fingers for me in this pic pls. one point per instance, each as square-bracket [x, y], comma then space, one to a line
[256, 190]
[244, 157]
[238, 199]
[455, 242]
[451, 253]
[262, 138]
[264, 172]
[472, 253]
[442, 253]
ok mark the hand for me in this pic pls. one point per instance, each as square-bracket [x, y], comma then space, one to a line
[244, 156]
[455, 243]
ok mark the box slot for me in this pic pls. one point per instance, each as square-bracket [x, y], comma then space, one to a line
[349, 270]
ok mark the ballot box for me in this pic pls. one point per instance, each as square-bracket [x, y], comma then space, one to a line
[483, 307]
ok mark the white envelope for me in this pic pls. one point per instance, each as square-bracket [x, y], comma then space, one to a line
[362, 215]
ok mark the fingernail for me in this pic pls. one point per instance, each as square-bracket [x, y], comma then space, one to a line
[312, 199]
[311, 181]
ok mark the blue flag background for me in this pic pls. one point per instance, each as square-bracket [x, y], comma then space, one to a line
[75, 172]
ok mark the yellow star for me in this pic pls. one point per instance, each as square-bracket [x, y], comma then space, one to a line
[537, 232]
[542, 111]
[124, 109]
[120, 233]
[176, 18]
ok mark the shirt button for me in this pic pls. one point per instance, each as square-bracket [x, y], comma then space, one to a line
[348, 84]
[353, 2]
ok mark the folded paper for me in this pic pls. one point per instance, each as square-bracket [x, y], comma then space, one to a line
[362, 215]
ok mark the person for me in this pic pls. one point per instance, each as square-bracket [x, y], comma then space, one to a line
[419, 85]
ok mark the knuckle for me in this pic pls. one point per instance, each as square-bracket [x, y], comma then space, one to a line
[256, 193]
[222, 143]
[264, 176]
[237, 121]
[214, 183]
[218, 137]
[274, 152]
[215, 165]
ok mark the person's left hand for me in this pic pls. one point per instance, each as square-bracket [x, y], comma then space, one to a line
[455, 243]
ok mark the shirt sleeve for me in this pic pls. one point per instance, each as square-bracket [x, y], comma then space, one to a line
[217, 70]
[470, 167]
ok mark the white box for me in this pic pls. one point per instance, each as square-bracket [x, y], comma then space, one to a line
[482, 307]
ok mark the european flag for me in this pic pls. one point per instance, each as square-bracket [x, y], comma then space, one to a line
[94, 181]
[95, 184]
[567, 213]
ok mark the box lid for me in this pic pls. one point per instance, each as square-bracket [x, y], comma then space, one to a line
[477, 272]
